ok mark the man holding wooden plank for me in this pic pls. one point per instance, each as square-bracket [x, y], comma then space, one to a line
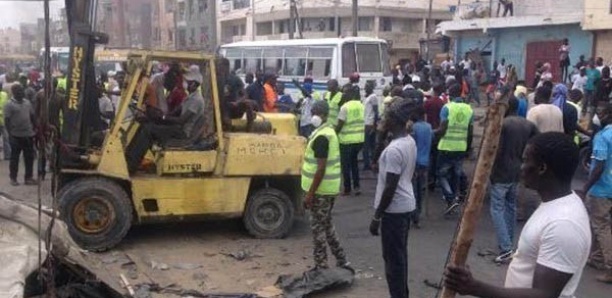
[554, 245]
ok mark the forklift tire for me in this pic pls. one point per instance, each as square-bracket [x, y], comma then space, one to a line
[97, 212]
[269, 214]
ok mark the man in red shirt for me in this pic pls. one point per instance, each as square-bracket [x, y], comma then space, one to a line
[173, 82]
[432, 107]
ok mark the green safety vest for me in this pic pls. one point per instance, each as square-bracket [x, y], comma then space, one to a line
[456, 137]
[353, 131]
[61, 83]
[3, 100]
[576, 136]
[330, 185]
[334, 107]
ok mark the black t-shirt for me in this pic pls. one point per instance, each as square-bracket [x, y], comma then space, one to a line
[320, 146]
[516, 132]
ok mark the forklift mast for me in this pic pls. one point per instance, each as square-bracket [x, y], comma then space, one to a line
[81, 113]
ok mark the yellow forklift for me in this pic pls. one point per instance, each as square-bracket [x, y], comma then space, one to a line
[103, 190]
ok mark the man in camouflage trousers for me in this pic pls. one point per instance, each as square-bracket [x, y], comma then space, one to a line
[321, 182]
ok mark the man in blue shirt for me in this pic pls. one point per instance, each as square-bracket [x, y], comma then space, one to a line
[599, 196]
[423, 136]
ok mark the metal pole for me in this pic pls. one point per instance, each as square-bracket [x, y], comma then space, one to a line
[428, 30]
[490, 8]
[355, 17]
[291, 19]
[253, 24]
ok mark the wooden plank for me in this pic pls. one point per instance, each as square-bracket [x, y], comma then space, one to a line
[486, 159]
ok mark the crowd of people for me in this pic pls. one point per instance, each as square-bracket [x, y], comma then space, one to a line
[417, 135]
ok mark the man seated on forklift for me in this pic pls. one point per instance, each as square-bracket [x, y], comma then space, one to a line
[234, 104]
[183, 127]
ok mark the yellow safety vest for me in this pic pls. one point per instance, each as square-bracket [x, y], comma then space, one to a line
[330, 185]
[456, 136]
[334, 107]
[577, 107]
[61, 83]
[3, 100]
[353, 131]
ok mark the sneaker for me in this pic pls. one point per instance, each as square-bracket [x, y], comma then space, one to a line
[504, 257]
[596, 265]
[31, 182]
[14, 182]
[451, 207]
[357, 191]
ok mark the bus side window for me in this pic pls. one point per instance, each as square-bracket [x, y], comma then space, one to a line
[349, 59]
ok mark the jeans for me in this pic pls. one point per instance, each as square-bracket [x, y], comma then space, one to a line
[368, 148]
[451, 177]
[419, 182]
[6, 146]
[350, 166]
[394, 229]
[18, 145]
[306, 130]
[475, 93]
[503, 213]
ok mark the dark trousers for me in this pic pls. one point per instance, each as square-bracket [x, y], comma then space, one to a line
[418, 183]
[394, 235]
[368, 148]
[306, 130]
[18, 145]
[350, 167]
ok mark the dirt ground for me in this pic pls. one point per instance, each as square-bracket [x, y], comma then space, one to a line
[199, 255]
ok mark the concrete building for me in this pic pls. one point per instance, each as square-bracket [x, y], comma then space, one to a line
[128, 23]
[195, 25]
[10, 41]
[533, 34]
[400, 22]
[597, 19]
[29, 38]
[163, 25]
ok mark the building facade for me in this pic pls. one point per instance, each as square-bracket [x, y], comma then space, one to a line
[533, 34]
[163, 25]
[401, 22]
[196, 25]
[128, 23]
[10, 41]
[598, 19]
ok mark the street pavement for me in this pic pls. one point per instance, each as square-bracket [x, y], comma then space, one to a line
[199, 255]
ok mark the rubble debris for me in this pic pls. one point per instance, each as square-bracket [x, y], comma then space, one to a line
[127, 285]
[174, 289]
[187, 266]
[315, 281]
[270, 292]
[159, 266]
[242, 255]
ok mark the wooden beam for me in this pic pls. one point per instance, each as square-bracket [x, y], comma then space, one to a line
[486, 159]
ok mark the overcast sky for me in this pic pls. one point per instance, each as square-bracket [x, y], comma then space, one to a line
[14, 12]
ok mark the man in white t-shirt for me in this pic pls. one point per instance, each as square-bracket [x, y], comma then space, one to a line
[546, 117]
[555, 243]
[395, 200]
[579, 80]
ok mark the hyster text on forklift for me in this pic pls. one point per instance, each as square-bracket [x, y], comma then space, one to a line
[104, 187]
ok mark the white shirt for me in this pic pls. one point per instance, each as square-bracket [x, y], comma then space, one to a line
[445, 65]
[557, 236]
[305, 117]
[579, 82]
[105, 105]
[502, 71]
[398, 158]
[546, 117]
[466, 63]
[369, 104]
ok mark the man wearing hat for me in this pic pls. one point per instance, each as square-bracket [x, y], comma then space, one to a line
[395, 201]
[185, 126]
[321, 182]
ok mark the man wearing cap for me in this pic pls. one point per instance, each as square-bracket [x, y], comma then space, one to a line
[351, 133]
[395, 201]
[185, 126]
[321, 182]
[455, 131]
